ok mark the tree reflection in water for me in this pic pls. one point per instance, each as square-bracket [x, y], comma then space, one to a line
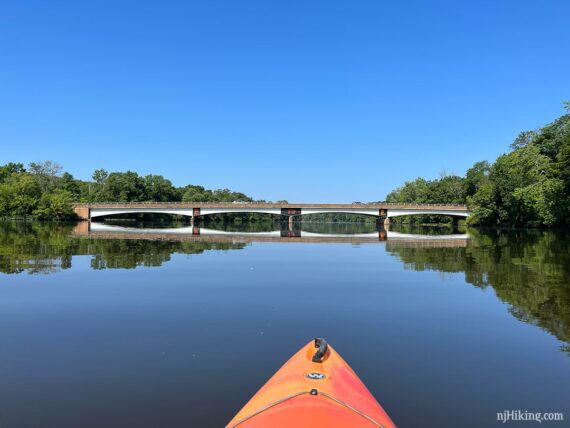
[529, 270]
[48, 248]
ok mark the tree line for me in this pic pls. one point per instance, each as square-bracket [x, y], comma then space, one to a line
[528, 186]
[44, 191]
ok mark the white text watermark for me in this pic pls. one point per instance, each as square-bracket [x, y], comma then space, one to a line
[526, 416]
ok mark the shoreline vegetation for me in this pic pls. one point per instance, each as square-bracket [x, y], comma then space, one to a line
[527, 187]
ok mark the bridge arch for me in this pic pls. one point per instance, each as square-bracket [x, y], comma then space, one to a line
[104, 212]
[402, 212]
[239, 210]
[363, 211]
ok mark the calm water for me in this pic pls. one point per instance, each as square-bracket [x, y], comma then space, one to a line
[117, 328]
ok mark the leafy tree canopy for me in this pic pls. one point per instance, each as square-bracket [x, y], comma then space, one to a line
[528, 186]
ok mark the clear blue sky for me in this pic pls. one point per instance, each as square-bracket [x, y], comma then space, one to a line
[332, 101]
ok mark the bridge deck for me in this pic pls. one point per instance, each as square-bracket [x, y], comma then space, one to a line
[190, 205]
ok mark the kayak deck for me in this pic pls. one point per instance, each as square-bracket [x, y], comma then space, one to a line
[316, 387]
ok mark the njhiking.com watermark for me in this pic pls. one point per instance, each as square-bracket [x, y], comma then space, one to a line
[526, 416]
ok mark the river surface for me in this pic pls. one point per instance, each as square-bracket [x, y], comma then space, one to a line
[160, 327]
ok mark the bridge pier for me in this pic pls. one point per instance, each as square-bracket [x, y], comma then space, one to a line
[82, 212]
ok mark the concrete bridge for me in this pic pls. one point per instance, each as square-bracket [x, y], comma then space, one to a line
[384, 211]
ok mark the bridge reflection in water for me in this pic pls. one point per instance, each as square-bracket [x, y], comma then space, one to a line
[195, 233]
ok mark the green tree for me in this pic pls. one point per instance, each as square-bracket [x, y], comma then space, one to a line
[192, 193]
[69, 184]
[19, 195]
[523, 139]
[158, 188]
[95, 189]
[553, 137]
[45, 173]
[10, 168]
[530, 186]
[563, 164]
[520, 169]
[484, 205]
[476, 177]
[55, 205]
[417, 191]
[100, 176]
[122, 187]
[449, 189]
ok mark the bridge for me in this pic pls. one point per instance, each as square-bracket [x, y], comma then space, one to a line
[384, 211]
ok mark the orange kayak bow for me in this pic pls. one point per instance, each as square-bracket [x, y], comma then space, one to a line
[316, 387]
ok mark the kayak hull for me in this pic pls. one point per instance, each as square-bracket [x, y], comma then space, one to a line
[307, 393]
